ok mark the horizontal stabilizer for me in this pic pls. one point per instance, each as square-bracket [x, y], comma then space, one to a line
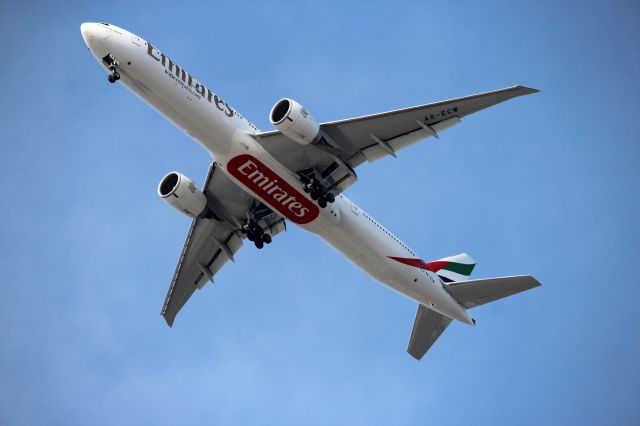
[427, 327]
[478, 292]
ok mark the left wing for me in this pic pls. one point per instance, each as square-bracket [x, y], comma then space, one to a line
[211, 243]
[345, 144]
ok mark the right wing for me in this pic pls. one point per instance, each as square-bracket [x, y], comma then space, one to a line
[211, 243]
[427, 327]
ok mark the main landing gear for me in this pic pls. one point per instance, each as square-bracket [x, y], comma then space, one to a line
[317, 192]
[255, 233]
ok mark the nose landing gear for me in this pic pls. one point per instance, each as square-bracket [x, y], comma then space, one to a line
[255, 233]
[112, 65]
[114, 75]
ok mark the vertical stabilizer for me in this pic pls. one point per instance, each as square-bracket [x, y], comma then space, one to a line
[453, 268]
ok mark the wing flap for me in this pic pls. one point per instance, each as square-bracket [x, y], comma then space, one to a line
[427, 327]
[376, 152]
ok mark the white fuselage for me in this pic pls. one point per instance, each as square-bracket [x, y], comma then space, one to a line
[227, 135]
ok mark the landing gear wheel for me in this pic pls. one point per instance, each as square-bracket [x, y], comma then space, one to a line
[315, 195]
[330, 197]
[255, 229]
[322, 202]
[255, 233]
[113, 76]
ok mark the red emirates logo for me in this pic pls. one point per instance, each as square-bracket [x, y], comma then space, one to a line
[287, 200]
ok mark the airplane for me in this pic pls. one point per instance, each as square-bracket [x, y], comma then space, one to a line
[297, 173]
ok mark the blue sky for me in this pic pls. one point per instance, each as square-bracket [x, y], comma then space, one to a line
[294, 334]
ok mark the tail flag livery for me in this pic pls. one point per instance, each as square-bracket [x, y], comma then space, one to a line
[453, 268]
[449, 269]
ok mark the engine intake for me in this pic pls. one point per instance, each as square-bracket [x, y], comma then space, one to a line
[294, 121]
[182, 194]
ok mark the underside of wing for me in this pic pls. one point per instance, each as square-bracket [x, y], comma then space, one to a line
[207, 248]
[210, 243]
[374, 136]
[343, 145]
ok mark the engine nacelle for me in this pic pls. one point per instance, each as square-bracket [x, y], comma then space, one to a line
[182, 194]
[294, 121]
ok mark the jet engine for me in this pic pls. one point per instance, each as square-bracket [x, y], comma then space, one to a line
[294, 121]
[182, 194]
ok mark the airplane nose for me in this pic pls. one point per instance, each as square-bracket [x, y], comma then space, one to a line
[87, 30]
[95, 37]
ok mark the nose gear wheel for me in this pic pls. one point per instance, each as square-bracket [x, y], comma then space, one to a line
[112, 65]
[114, 75]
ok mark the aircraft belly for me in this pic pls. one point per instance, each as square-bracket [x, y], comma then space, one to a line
[368, 246]
[356, 240]
[167, 95]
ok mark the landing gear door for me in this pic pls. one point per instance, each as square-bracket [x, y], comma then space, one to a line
[109, 61]
[338, 177]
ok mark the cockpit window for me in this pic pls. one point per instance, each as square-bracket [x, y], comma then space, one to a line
[104, 23]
